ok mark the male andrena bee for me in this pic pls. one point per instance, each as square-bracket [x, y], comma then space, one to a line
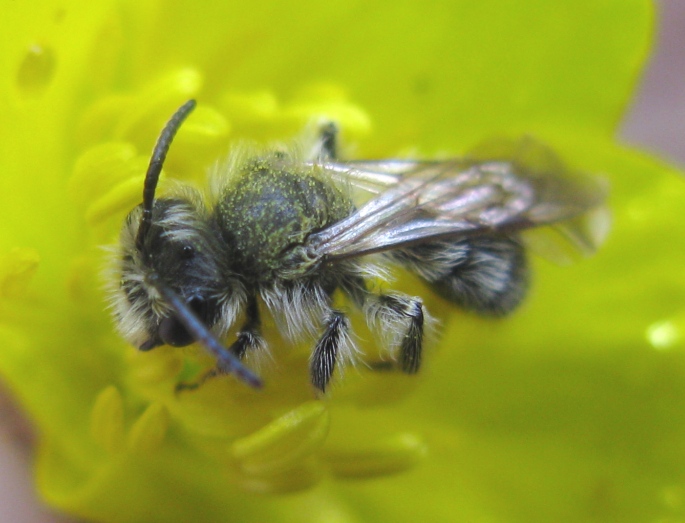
[283, 234]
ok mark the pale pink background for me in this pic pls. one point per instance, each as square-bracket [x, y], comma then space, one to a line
[656, 122]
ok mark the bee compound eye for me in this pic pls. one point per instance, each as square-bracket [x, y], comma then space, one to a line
[172, 332]
[187, 251]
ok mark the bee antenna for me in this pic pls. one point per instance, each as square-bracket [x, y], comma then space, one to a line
[156, 161]
[226, 360]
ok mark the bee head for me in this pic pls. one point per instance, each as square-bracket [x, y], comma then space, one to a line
[171, 278]
[177, 254]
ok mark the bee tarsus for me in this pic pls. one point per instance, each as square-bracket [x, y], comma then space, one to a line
[249, 336]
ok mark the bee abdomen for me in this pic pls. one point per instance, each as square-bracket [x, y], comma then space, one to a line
[486, 275]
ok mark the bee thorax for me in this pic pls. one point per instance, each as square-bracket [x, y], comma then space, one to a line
[298, 262]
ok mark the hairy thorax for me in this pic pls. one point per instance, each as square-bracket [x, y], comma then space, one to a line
[270, 209]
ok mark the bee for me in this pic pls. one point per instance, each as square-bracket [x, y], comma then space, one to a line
[283, 233]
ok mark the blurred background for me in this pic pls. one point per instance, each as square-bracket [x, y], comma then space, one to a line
[654, 122]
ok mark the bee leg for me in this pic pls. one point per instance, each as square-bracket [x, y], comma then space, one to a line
[328, 142]
[249, 338]
[402, 318]
[327, 348]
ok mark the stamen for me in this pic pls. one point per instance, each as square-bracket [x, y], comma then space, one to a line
[107, 420]
[149, 430]
[285, 441]
[396, 454]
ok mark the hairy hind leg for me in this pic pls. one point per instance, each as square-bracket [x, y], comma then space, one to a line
[401, 320]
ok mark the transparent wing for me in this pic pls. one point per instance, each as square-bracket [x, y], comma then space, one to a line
[417, 202]
[374, 176]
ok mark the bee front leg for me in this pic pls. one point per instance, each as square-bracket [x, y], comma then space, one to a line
[249, 338]
[401, 320]
[250, 335]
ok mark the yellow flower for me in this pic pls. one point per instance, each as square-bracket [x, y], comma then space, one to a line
[570, 410]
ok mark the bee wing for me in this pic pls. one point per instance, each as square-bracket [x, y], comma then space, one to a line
[417, 202]
[374, 176]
